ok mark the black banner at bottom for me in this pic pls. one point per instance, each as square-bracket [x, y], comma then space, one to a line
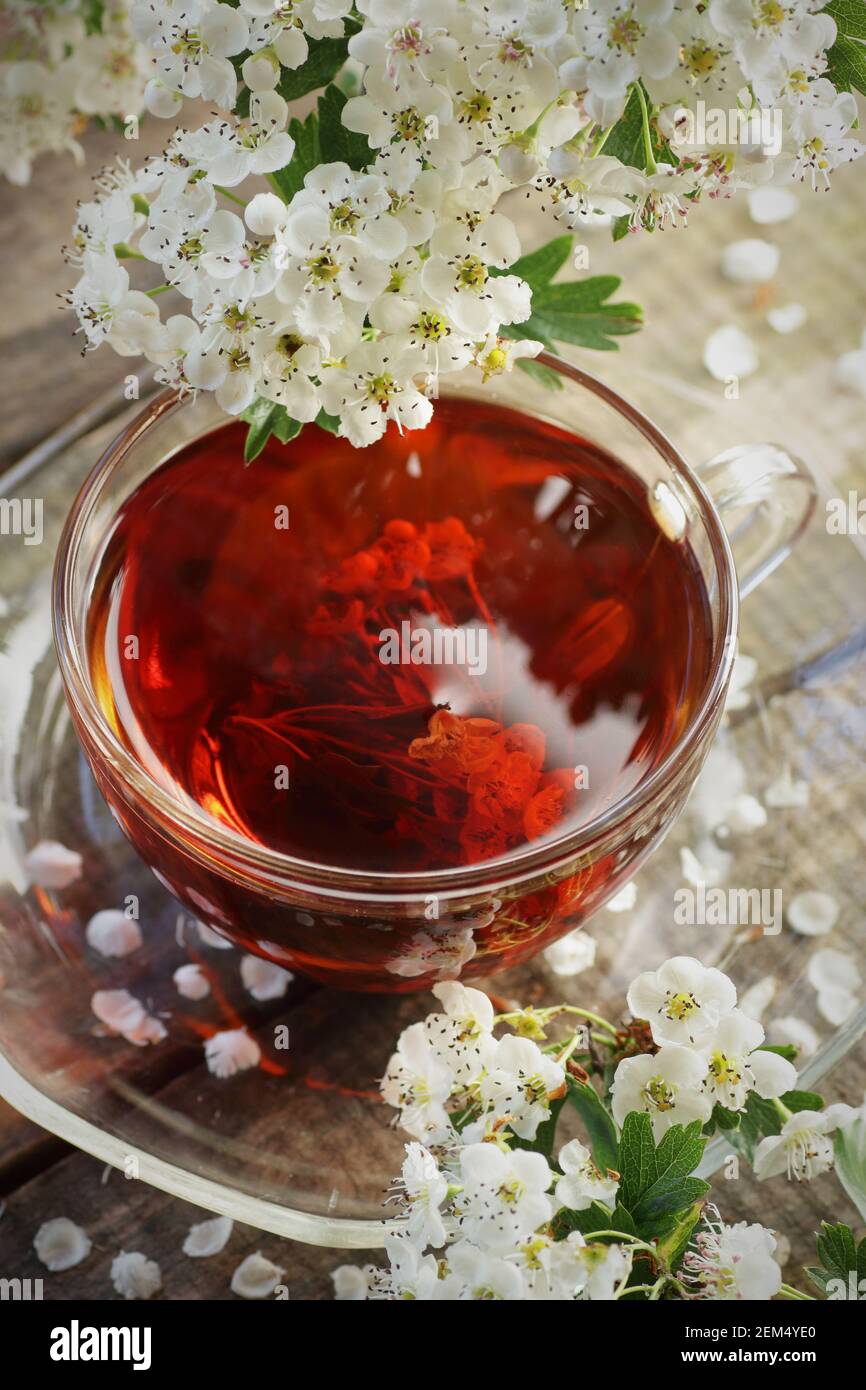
[61, 1339]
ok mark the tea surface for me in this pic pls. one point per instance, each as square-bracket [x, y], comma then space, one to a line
[423, 654]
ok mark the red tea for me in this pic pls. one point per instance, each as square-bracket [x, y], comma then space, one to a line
[425, 654]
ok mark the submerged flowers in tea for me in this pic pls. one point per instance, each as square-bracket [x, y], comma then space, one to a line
[420, 657]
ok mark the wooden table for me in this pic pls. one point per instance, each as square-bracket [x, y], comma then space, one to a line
[793, 400]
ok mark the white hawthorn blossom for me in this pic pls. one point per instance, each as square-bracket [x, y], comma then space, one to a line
[504, 1197]
[683, 1001]
[803, 1149]
[582, 1183]
[483, 1217]
[736, 1064]
[520, 1082]
[731, 1262]
[358, 292]
[191, 44]
[669, 1087]
[417, 1083]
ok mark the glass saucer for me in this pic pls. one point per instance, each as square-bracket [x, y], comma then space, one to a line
[302, 1145]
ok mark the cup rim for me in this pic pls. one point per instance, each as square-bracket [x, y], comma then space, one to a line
[245, 854]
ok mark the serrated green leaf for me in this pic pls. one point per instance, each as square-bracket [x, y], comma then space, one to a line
[307, 155]
[666, 1198]
[338, 143]
[680, 1150]
[600, 1128]
[576, 312]
[538, 268]
[846, 64]
[837, 1250]
[626, 143]
[636, 1158]
[850, 17]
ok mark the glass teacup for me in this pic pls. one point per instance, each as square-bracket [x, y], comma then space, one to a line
[385, 931]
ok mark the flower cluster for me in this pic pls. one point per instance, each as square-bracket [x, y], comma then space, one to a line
[62, 67]
[709, 1051]
[468, 1098]
[351, 286]
[493, 1207]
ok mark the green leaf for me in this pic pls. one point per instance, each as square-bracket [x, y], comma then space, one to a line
[539, 267]
[264, 419]
[338, 143]
[666, 1198]
[331, 423]
[545, 376]
[307, 155]
[322, 64]
[671, 1188]
[842, 1261]
[674, 1245]
[722, 1119]
[850, 1147]
[545, 1135]
[92, 12]
[626, 143]
[786, 1050]
[596, 1217]
[801, 1100]
[846, 64]
[620, 227]
[636, 1158]
[576, 312]
[656, 1183]
[850, 17]
[599, 1126]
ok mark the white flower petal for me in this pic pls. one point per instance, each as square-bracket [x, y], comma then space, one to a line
[208, 1238]
[231, 1051]
[191, 982]
[812, 913]
[112, 933]
[728, 352]
[51, 865]
[264, 979]
[256, 1277]
[60, 1244]
[135, 1276]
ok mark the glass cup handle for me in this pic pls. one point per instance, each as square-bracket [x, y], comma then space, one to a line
[765, 497]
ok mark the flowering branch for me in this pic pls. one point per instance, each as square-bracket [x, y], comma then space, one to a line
[495, 1206]
[379, 261]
